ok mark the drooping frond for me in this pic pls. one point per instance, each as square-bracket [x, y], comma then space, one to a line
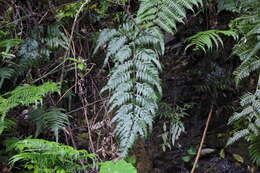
[248, 49]
[134, 80]
[164, 13]
[205, 40]
[49, 157]
[24, 96]
[53, 119]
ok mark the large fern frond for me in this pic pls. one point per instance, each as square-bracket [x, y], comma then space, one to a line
[134, 80]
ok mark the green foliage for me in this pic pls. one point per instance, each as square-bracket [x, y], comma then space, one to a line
[191, 152]
[52, 119]
[37, 48]
[7, 124]
[8, 44]
[248, 48]
[173, 127]
[237, 6]
[117, 167]
[205, 40]
[32, 51]
[250, 114]
[5, 73]
[134, 80]
[24, 96]
[50, 157]
[254, 150]
[164, 13]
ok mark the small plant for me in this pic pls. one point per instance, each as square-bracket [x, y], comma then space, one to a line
[173, 126]
[43, 156]
[191, 152]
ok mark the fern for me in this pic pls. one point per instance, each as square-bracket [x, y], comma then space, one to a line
[49, 157]
[164, 13]
[237, 6]
[5, 73]
[38, 47]
[175, 127]
[248, 50]
[250, 113]
[134, 80]
[24, 96]
[254, 150]
[249, 47]
[52, 119]
[205, 40]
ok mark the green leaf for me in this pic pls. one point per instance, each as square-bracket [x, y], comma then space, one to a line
[120, 166]
[191, 151]
[238, 158]
[10, 42]
[186, 158]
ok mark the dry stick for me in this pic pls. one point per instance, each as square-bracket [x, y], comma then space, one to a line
[202, 140]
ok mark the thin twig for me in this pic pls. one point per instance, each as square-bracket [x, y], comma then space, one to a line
[202, 140]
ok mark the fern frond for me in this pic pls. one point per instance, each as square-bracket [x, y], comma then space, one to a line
[206, 39]
[134, 81]
[248, 49]
[52, 119]
[164, 13]
[250, 114]
[238, 135]
[240, 115]
[24, 96]
[254, 150]
[177, 128]
[5, 73]
[46, 156]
